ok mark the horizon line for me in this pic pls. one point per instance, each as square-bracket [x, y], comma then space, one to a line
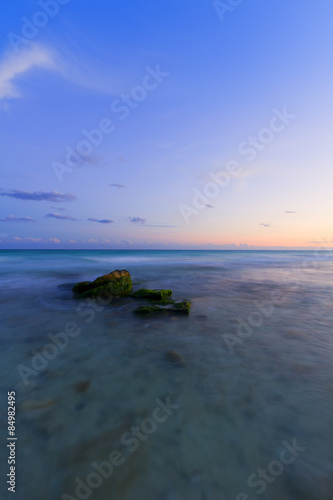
[266, 249]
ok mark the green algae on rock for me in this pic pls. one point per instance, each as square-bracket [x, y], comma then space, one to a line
[182, 307]
[173, 308]
[81, 287]
[147, 294]
[164, 302]
[146, 310]
[114, 284]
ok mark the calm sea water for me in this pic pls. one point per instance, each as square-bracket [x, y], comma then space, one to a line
[251, 412]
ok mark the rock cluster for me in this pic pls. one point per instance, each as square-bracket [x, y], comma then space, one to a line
[119, 284]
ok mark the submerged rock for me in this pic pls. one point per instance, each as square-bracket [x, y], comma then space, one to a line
[147, 294]
[81, 386]
[164, 302]
[116, 283]
[146, 310]
[182, 307]
[175, 358]
[171, 308]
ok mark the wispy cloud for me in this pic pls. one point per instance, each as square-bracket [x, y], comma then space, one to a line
[12, 218]
[137, 220]
[119, 186]
[53, 196]
[92, 159]
[209, 206]
[60, 217]
[102, 221]
[85, 72]
[268, 224]
[29, 239]
[290, 212]
[159, 225]
[170, 144]
[79, 160]
[92, 73]
[322, 243]
[14, 65]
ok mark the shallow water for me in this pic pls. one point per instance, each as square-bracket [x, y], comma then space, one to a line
[257, 376]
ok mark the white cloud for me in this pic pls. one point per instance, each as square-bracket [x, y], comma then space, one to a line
[82, 71]
[14, 65]
[33, 240]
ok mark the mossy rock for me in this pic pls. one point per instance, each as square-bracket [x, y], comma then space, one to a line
[81, 287]
[107, 291]
[164, 302]
[115, 284]
[145, 293]
[182, 308]
[147, 311]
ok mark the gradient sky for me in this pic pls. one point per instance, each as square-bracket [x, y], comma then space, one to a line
[224, 77]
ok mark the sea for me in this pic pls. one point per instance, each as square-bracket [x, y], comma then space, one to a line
[233, 402]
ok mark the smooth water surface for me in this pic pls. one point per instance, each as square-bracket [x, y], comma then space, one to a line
[255, 377]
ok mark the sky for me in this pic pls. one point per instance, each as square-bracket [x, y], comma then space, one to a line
[159, 124]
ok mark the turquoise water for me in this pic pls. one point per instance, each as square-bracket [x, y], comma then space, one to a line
[251, 401]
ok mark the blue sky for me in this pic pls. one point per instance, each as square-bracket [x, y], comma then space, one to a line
[181, 93]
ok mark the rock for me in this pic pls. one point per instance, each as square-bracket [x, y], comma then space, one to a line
[181, 307]
[81, 287]
[175, 358]
[147, 294]
[82, 386]
[116, 283]
[164, 302]
[104, 292]
[156, 309]
[147, 310]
